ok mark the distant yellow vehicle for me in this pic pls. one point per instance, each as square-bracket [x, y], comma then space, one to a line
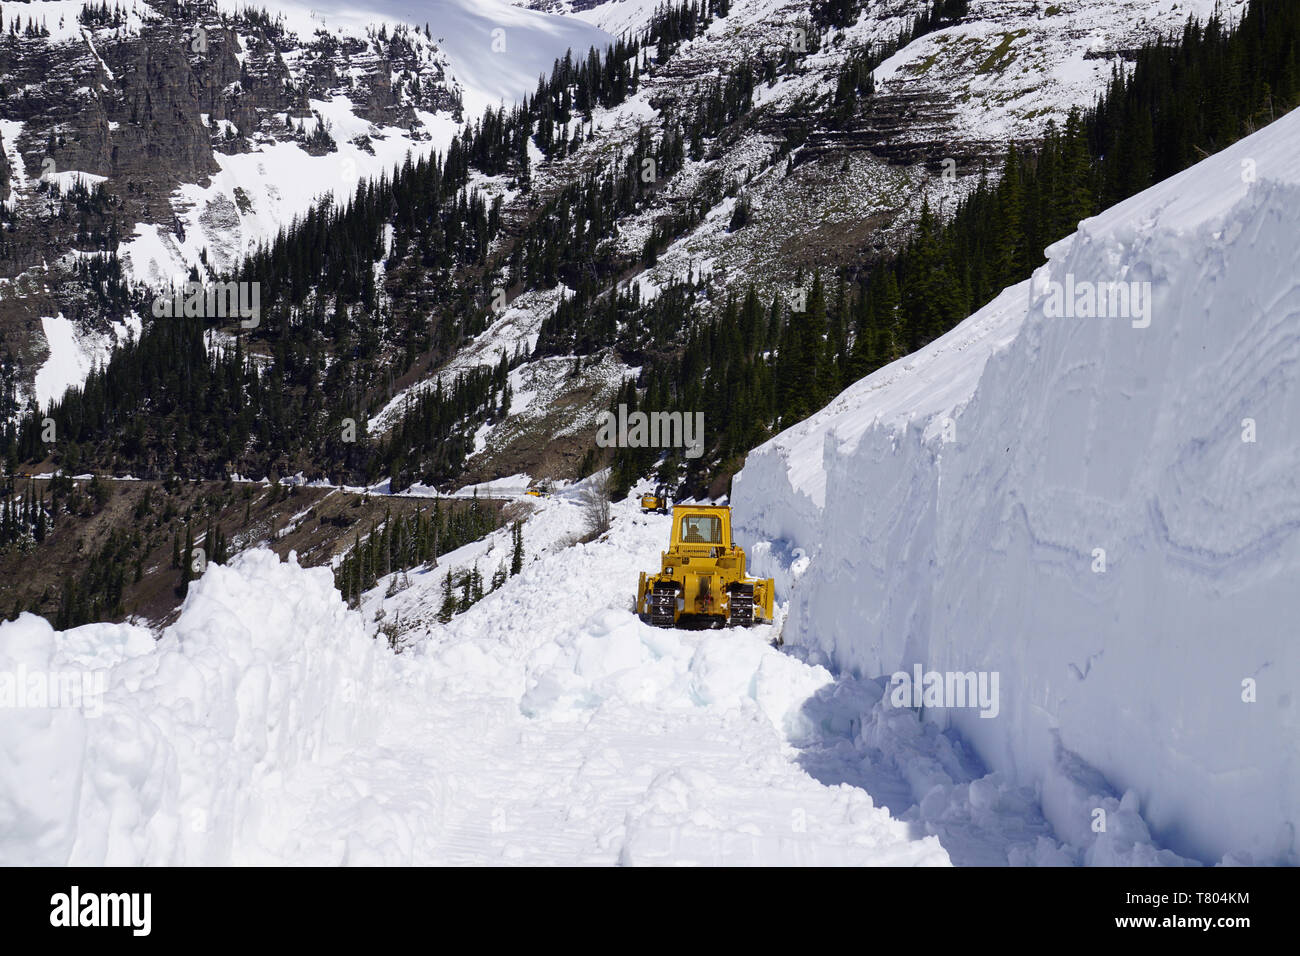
[702, 579]
[656, 501]
[535, 493]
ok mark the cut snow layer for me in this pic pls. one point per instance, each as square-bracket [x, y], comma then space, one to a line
[1104, 512]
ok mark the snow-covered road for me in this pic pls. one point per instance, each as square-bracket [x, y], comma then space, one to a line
[546, 724]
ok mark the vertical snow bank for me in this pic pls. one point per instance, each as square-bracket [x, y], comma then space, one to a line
[950, 509]
[265, 668]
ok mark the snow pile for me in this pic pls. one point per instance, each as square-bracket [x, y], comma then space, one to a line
[167, 764]
[1100, 510]
[545, 724]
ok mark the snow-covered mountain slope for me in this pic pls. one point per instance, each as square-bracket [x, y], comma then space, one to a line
[545, 724]
[496, 50]
[494, 53]
[265, 116]
[1014, 64]
[960, 93]
[620, 17]
[1101, 510]
[1007, 68]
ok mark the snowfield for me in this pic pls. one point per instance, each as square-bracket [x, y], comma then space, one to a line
[1103, 513]
[70, 360]
[546, 724]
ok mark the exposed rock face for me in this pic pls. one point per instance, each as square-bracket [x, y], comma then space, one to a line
[144, 106]
[563, 6]
[147, 103]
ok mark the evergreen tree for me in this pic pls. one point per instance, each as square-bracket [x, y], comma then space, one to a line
[187, 562]
[448, 608]
[517, 548]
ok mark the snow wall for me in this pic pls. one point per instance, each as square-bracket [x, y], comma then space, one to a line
[1105, 514]
[265, 669]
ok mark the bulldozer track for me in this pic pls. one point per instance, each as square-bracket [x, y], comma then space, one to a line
[663, 606]
[742, 605]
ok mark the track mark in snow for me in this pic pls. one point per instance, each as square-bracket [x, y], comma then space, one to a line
[926, 778]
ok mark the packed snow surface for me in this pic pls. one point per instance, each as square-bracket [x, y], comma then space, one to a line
[1102, 510]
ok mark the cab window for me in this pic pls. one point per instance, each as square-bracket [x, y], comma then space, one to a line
[702, 529]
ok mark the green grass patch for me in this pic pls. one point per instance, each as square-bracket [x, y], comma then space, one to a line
[1001, 53]
[923, 67]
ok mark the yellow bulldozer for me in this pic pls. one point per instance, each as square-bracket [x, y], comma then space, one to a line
[655, 501]
[702, 580]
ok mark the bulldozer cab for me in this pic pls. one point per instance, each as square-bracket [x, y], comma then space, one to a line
[701, 525]
[701, 529]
